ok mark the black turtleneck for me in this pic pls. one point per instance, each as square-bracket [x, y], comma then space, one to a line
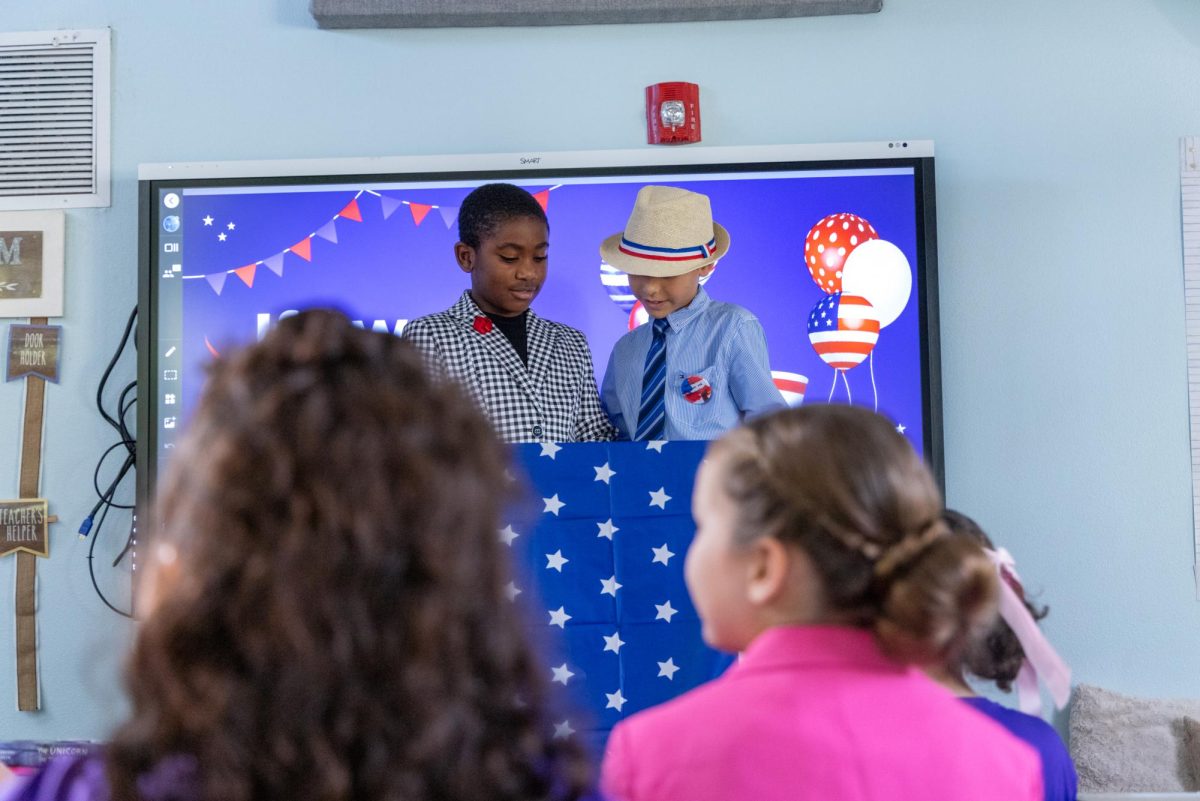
[514, 329]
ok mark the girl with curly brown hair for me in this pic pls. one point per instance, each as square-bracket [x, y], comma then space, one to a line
[820, 555]
[327, 619]
[998, 655]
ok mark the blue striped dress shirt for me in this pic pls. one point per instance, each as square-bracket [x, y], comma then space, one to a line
[719, 342]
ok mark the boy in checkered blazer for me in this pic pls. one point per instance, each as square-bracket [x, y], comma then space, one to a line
[533, 377]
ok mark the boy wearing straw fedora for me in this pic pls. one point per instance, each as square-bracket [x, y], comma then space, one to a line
[701, 366]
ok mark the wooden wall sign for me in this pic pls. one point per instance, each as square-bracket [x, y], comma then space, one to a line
[33, 350]
[29, 521]
[31, 263]
[25, 526]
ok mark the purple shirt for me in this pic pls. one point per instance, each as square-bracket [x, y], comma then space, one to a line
[83, 779]
[62, 779]
[1058, 772]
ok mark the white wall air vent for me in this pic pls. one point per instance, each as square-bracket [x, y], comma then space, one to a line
[54, 119]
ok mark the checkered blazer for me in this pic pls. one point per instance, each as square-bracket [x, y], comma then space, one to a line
[553, 400]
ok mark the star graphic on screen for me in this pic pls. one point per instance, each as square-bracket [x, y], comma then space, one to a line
[659, 498]
[615, 700]
[613, 642]
[555, 561]
[208, 219]
[563, 730]
[553, 504]
[604, 472]
[221, 237]
[662, 554]
[550, 449]
[512, 590]
[665, 611]
[562, 674]
[507, 535]
[667, 669]
[607, 529]
[656, 445]
[901, 428]
[231, 226]
[610, 586]
[559, 617]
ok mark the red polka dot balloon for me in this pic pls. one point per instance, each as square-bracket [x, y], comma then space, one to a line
[828, 245]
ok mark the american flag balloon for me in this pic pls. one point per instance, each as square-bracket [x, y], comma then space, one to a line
[843, 330]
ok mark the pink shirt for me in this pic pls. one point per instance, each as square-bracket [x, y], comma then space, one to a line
[814, 712]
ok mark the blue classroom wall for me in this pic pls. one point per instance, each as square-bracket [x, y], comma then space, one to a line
[1056, 126]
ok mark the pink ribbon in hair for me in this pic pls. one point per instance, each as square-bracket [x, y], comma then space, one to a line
[1041, 660]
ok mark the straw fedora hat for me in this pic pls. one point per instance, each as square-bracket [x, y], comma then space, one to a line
[670, 232]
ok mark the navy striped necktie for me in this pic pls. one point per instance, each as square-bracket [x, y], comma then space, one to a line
[652, 414]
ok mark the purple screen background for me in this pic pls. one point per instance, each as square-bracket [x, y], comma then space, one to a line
[393, 269]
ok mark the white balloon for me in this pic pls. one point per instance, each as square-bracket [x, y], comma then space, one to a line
[878, 271]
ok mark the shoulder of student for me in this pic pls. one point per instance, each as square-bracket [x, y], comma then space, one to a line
[427, 321]
[573, 336]
[731, 311]
[428, 327]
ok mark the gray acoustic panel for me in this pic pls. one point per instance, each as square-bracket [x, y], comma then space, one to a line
[491, 13]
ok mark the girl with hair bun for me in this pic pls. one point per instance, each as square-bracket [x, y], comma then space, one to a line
[820, 555]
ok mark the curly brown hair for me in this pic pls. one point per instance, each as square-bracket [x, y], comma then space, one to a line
[843, 485]
[338, 630]
[997, 654]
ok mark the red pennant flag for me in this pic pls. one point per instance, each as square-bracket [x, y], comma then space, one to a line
[303, 249]
[246, 274]
[419, 210]
[543, 199]
[351, 211]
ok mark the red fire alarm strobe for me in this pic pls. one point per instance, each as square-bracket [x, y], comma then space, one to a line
[672, 113]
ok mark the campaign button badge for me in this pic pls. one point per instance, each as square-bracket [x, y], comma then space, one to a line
[696, 389]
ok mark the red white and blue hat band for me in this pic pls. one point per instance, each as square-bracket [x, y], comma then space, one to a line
[694, 253]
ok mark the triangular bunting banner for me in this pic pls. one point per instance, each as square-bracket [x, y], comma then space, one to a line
[351, 211]
[246, 274]
[303, 248]
[217, 281]
[449, 214]
[419, 210]
[275, 264]
[543, 199]
[328, 231]
[388, 205]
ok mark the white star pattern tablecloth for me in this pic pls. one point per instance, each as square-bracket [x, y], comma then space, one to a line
[598, 559]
